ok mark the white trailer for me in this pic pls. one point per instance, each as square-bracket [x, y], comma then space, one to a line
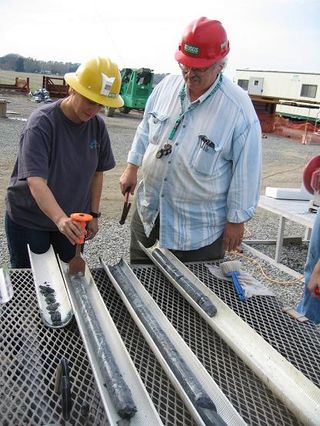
[297, 88]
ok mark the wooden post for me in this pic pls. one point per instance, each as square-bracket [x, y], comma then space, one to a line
[3, 108]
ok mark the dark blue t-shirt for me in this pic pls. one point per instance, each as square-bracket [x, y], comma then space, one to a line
[64, 153]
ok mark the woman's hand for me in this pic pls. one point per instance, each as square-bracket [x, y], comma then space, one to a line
[92, 229]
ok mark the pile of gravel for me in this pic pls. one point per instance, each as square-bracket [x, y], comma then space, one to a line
[111, 244]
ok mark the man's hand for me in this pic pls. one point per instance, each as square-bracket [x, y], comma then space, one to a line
[128, 179]
[232, 235]
[314, 282]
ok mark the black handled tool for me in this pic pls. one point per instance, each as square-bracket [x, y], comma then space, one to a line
[126, 207]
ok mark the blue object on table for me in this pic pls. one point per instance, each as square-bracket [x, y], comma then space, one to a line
[237, 286]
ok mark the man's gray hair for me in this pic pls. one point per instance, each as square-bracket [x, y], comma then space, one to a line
[222, 63]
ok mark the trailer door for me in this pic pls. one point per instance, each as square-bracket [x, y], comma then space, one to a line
[255, 86]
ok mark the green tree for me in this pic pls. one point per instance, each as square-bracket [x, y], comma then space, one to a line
[20, 64]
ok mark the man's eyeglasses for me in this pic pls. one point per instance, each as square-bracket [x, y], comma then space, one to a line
[186, 69]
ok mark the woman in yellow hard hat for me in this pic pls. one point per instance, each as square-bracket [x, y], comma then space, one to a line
[64, 150]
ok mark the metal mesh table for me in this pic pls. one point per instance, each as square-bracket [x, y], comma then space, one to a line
[29, 355]
[30, 352]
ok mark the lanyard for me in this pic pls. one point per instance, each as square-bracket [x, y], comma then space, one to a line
[167, 148]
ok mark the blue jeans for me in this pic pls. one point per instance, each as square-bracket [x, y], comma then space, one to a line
[310, 305]
[39, 242]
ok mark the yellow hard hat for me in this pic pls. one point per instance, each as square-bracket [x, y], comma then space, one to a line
[99, 80]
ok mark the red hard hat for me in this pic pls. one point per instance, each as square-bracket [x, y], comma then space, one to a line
[203, 43]
[311, 175]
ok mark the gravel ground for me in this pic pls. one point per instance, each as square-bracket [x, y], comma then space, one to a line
[283, 161]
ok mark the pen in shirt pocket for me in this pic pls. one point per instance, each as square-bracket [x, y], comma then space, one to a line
[206, 143]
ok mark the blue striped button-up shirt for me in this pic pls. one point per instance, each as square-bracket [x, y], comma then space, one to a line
[212, 175]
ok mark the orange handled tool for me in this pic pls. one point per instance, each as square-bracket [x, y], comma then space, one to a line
[77, 265]
[317, 291]
[82, 218]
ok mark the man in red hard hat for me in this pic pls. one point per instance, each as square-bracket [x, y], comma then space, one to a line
[203, 43]
[199, 146]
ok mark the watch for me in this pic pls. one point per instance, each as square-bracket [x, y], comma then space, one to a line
[95, 215]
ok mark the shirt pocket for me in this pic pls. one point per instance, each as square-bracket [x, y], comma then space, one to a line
[205, 157]
[157, 124]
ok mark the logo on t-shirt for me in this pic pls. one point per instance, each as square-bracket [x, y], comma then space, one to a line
[93, 144]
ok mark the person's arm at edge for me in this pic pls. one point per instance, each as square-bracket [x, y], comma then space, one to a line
[314, 282]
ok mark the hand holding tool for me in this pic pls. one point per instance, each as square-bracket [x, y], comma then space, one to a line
[231, 269]
[126, 207]
[77, 265]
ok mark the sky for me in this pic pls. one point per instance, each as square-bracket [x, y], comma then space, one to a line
[282, 35]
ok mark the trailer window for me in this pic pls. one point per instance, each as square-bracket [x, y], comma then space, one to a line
[309, 90]
[244, 84]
